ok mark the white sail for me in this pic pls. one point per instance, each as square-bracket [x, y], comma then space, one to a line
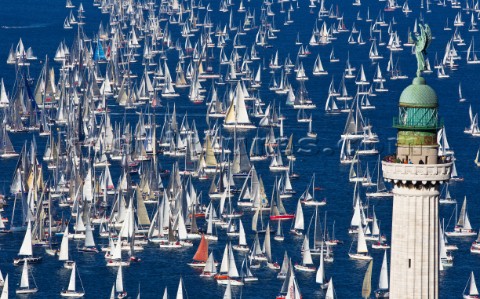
[357, 215]
[71, 284]
[330, 291]
[89, 240]
[224, 264]
[24, 280]
[26, 248]
[383, 282]
[182, 229]
[63, 255]
[375, 228]
[228, 292]
[119, 280]
[442, 248]
[320, 278]
[210, 265]
[293, 290]
[180, 289]
[307, 255]
[242, 240]
[361, 242]
[473, 291]
[5, 289]
[116, 252]
[299, 221]
[4, 101]
[232, 267]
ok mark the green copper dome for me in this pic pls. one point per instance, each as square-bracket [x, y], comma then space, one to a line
[419, 95]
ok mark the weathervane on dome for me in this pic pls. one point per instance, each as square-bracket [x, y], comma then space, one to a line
[422, 41]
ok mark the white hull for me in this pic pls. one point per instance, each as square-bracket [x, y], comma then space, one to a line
[380, 246]
[380, 194]
[461, 234]
[26, 291]
[233, 282]
[241, 248]
[447, 201]
[71, 294]
[239, 127]
[305, 268]
[279, 168]
[211, 238]
[357, 256]
[112, 263]
[314, 203]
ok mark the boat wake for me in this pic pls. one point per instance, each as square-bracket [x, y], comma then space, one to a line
[39, 25]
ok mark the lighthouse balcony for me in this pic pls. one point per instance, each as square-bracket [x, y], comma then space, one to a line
[420, 123]
[416, 172]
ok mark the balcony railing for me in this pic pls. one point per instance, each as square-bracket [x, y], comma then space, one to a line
[416, 172]
[416, 124]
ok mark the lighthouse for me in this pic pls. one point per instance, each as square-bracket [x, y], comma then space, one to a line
[416, 172]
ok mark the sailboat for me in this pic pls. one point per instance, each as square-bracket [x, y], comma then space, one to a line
[307, 198]
[318, 69]
[367, 282]
[472, 288]
[120, 292]
[361, 252]
[89, 241]
[6, 146]
[242, 239]
[210, 269]
[381, 189]
[71, 290]
[307, 261]
[446, 259]
[64, 254]
[285, 267]
[228, 269]
[276, 164]
[382, 291]
[299, 223]
[356, 174]
[330, 239]
[374, 234]
[279, 232]
[24, 282]
[320, 277]
[201, 256]
[445, 197]
[290, 289]
[471, 54]
[237, 115]
[310, 132]
[245, 272]
[463, 227]
[461, 98]
[210, 234]
[26, 251]
[277, 210]
[114, 257]
[444, 147]
[3, 228]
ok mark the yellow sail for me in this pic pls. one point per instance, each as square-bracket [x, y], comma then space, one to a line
[367, 281]
[209, 154]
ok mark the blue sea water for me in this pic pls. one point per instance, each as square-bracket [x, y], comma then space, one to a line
[39, 24]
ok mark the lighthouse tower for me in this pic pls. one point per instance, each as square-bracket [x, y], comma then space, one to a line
[416, 171]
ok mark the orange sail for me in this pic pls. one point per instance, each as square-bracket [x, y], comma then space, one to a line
[202, 252]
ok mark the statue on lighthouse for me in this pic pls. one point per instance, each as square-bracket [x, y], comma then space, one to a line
[422, 41]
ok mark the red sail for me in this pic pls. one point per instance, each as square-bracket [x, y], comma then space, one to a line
[202, 252]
